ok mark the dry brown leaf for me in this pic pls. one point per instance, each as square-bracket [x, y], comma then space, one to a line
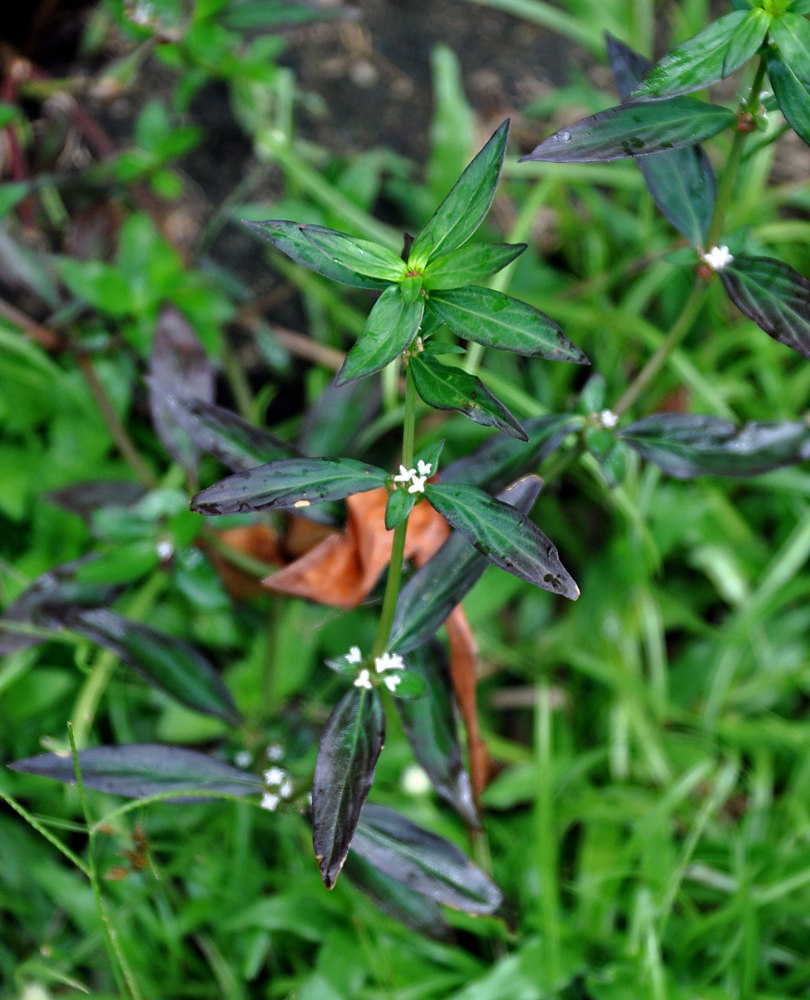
[464, 675]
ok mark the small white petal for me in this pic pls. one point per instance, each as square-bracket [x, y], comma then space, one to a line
[392, 681]
[389, 661]
[275, 751]
[607, 418]
[274, 775]
[243, 759]
[404, 475]
[417, 484]
[285, 789]
[363, 679]
[270, 801]
[424, 468]
[415, 780]
[165, 549]
[354, 655]
[718, 257]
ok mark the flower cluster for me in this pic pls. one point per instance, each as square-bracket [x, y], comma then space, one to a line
[279, 786]
[415, 477]
[383, 667]
[718, 257]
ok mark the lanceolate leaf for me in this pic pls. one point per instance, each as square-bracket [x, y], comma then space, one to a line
[291, 239]
[168, 663]
[426, 863]
[437, 587]
[696, 63]
[500, 460]
[682, 182]
[140, 769]
[287, 484]
[497, 320]
[464, 208]
[449, 388]
[227, 436]
[430, 725]
[774, 296]
[360, 256]
[791, 34]
[792, 91]
[344, 771]
[469, 264]
[391, 325]
[748, 36]
[397, 900]
[687, 445]
[635, 128]
[504, 536]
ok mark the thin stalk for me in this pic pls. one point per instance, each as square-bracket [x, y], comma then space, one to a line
[118, 959]
[545, 828]
[394, 580]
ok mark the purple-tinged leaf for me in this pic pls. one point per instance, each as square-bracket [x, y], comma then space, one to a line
[58, 588]
[136, 770]
[330, 425]
[436, 588]
[494, 319]
[344, 771]
[792, 91]
[85, 498]
[290, 483]
[688, 445]
[430, 726]
[397, 900]
[504, 536]
[424, 862]
[464, 208]
[774, 296]
[165, 662]
[178, 367]
[635, 128]
[291, 239]
[390, 327]
[682, 182]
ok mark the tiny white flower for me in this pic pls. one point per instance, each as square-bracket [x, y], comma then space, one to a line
[607, 418]
[415, 780]
[389, 661]
[274, 775]
[404, 475]
[243, 759]
[354, 655]
[417, 484]
[392, 681]
[165, 549]
[718, 257]
[275, 751]
[424, 468]
[363, 679]
[270, 801]
[285, 789]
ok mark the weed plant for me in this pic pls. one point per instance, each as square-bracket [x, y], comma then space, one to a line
[591, 789]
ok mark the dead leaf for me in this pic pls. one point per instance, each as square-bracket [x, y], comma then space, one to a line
[464, 675]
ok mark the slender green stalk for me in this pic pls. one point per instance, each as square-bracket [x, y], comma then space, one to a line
[546, 834]
[118, 959]
[33, 822]
[394, 580]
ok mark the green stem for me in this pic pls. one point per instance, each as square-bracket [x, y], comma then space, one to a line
[545, 828]
[394, 580]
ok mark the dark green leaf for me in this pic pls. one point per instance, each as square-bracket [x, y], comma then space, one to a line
[397, 900]
[437, 587]
[695, 64]
[634, 128]
[791, 35]
[331, 421]
[682, 182]
[469, 264]
[430, 725]
[774, 296]
[227, 436]
[424, 862]
[361, 256]
[344, 771]
[410, 686]
[391, 326]
[792, 91]
[504, 536]
[748, 36]
[497, 320]
[290, 483]
[464, 208]
[687, 445]
[168, 663]
[58, 588]
[399, 506]
[140, 769]
[290, 239]
[447, 388]
[500, 460]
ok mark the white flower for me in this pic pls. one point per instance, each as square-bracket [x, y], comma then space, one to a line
[718, 257]
[415, 780]
[275, 751]
[417, 484]
[243, 759]
[363, 679]
[404, 475]
[389, 661]
[270, 801]
[424, 468]
[274, 776]
[354, 655]
[165, 549]
[607, 418]
[285, 789]
[392, 681]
